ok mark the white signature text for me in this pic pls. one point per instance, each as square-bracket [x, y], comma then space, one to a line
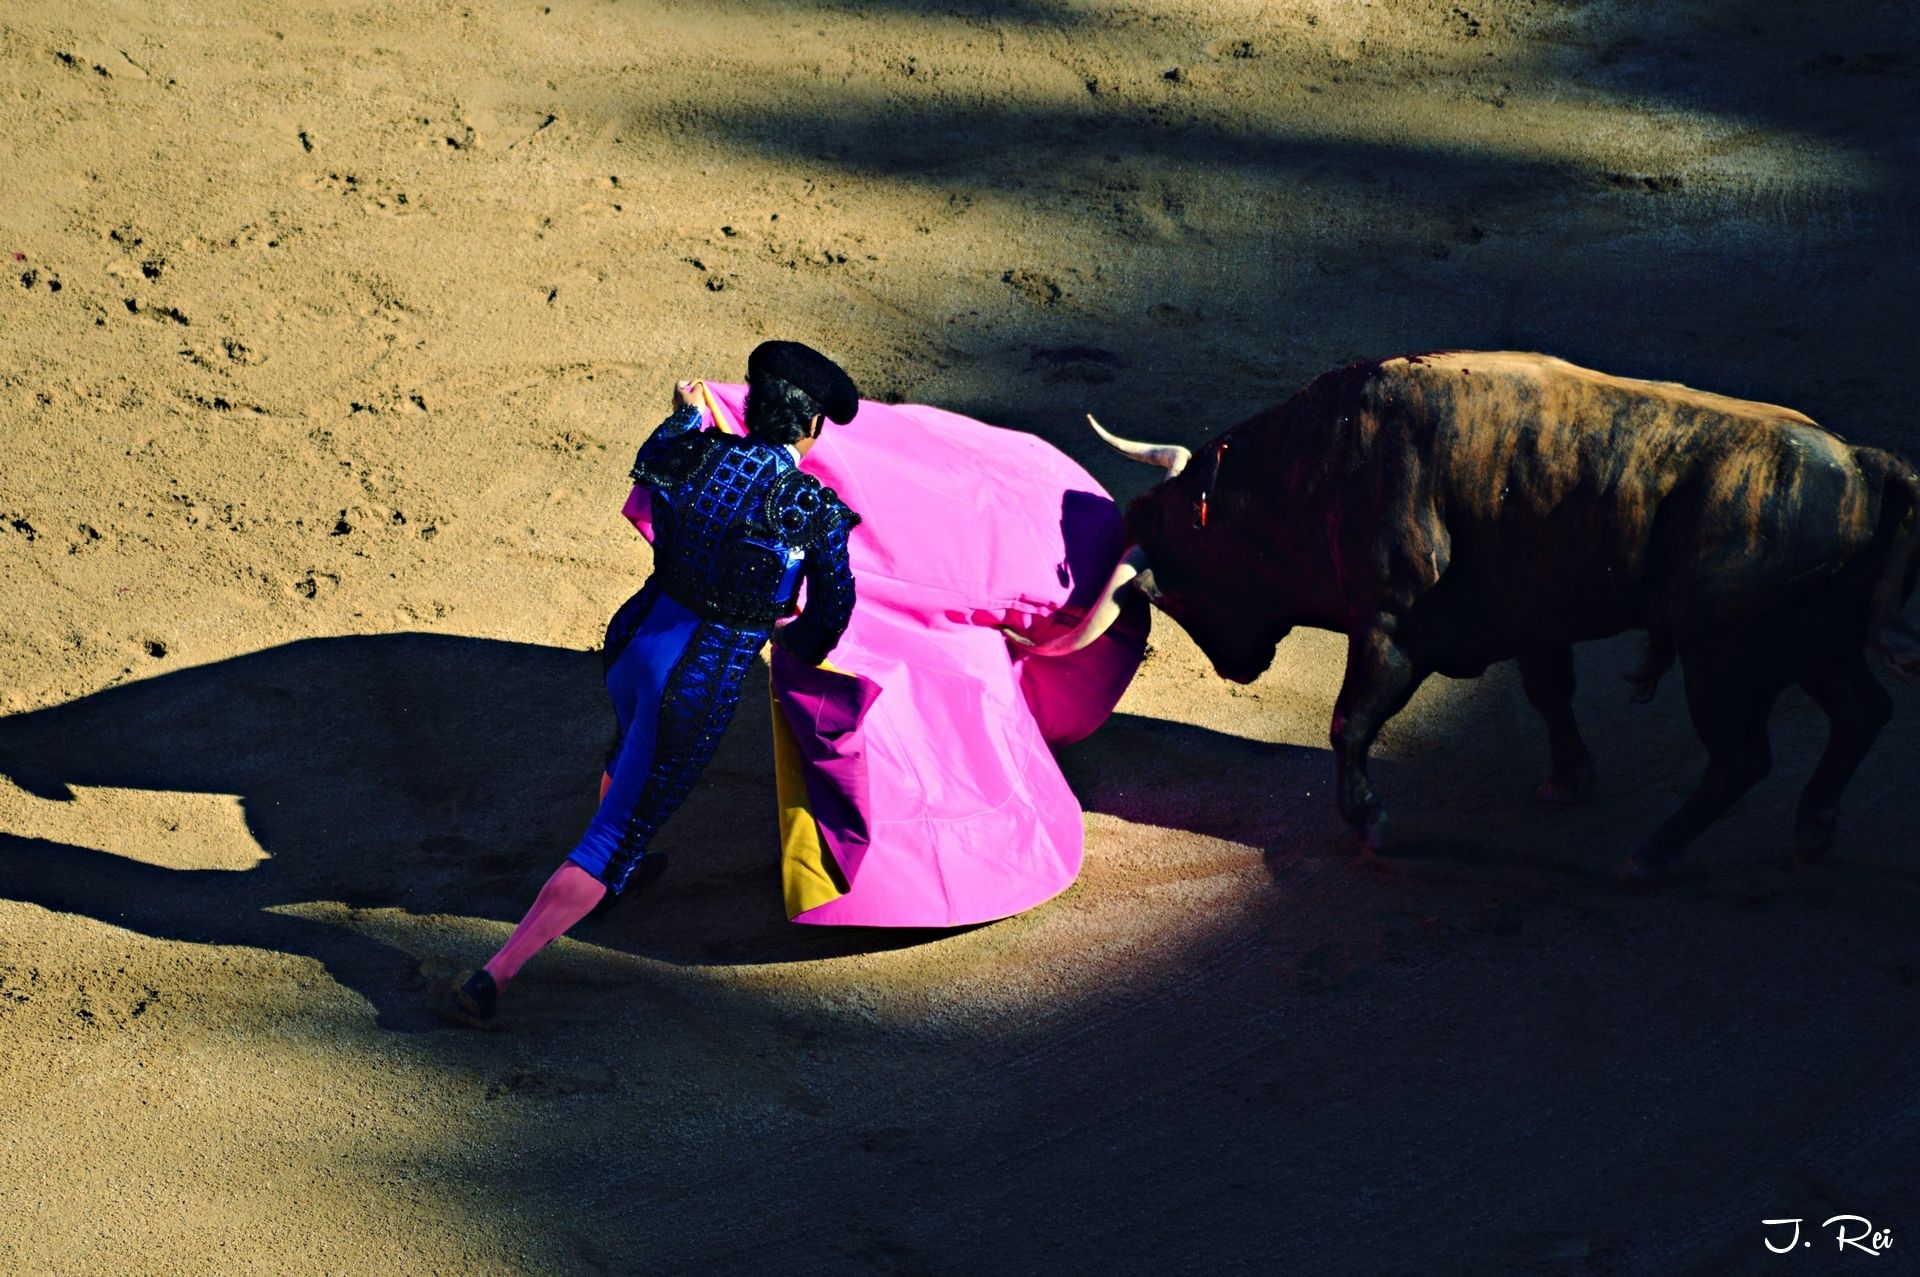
[1853, 1231]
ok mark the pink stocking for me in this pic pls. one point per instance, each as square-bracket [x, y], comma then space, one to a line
[568, 896]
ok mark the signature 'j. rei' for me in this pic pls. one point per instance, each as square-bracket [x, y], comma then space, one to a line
[1854, 1231]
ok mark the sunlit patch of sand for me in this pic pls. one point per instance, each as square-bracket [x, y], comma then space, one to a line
[154, 827]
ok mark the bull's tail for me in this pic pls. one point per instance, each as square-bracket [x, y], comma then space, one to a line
[1897, 540]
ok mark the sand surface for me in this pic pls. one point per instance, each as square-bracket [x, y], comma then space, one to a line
[326, 333]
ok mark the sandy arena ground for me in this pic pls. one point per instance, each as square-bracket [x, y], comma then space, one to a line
[326, 334]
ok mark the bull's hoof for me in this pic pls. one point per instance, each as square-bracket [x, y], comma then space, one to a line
[1378, 832]
[1565, 791]
[1813, 834]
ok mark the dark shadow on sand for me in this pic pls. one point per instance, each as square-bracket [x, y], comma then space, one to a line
[428, 773]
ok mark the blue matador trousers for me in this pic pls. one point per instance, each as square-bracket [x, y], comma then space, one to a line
[675, 682]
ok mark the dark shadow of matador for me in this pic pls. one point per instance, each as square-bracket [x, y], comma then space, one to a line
[415, 771]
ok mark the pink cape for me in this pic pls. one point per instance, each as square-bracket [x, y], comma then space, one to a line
[917, 786]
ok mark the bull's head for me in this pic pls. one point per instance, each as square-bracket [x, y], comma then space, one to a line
[1189, 570]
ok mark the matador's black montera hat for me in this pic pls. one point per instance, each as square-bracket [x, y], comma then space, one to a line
[810, 370]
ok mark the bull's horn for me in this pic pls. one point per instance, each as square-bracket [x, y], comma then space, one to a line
[1099, 618]
[1170, 455]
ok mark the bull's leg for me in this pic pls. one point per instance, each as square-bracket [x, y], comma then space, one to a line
[1857, 708]
[1547, 675]
[1729, 700]
[1380, 678]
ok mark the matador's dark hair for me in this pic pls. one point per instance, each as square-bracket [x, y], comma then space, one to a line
[777, 410]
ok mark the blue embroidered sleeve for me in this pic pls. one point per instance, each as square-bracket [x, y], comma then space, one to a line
[830, 590]
[671, 451]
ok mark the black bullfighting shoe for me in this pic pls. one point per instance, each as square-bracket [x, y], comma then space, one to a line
[472, 1003]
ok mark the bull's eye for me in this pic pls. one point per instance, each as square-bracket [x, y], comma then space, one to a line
[1146, 584]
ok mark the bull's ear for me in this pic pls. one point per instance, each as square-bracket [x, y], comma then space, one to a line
[1147, 585]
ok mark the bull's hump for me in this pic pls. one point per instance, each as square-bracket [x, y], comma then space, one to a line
[1501, 365]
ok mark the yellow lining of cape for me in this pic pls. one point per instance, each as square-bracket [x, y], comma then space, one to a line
[809, 876]
[716, 413]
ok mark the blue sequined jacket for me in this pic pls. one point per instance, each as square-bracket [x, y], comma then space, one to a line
[737, 527]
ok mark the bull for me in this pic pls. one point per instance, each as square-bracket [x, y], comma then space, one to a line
[1448, 510]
